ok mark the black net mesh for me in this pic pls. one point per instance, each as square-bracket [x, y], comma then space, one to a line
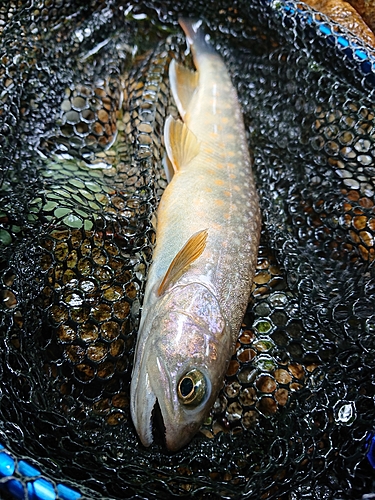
[84, 94]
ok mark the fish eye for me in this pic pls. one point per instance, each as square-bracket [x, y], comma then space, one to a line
[191, 388]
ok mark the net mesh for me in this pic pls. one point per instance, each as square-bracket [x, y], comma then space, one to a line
[84, 94]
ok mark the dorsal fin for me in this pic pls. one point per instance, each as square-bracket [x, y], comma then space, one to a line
[181, 144]
[192, 249]
[183, 82]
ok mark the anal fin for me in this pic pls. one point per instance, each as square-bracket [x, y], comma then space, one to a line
[189, 253]
[183, 84]
[181, 144]
[168, 167]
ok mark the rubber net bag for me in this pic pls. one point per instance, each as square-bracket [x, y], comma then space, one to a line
[84, 94]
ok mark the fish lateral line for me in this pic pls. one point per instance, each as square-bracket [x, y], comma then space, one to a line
[189, 253]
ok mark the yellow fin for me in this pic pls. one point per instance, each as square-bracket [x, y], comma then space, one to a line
[192, 249]
[181, 144]
[168, 168]
[183, 84]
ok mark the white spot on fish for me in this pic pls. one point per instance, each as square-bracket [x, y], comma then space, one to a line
[214, 93]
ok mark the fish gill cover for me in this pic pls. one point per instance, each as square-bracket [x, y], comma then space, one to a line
[84, 94]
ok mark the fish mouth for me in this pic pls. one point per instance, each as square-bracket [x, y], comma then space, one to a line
[154, 428]
[171, 436]
[157, 424]
[151, 428]
[146, 410]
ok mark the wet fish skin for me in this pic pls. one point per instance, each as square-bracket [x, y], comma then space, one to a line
[192, 314]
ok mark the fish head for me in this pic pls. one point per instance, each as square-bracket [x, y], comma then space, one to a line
[180, 366]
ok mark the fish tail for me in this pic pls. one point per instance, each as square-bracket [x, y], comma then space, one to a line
[195, 36]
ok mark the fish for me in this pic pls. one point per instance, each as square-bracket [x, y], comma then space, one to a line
[207, 237]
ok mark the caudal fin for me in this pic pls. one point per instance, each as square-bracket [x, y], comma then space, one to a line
[195, 36]
[190, 27]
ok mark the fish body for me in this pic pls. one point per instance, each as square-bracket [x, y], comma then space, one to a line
[208, 226]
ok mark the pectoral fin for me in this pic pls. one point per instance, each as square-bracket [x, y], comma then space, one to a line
[181, 144]
[193, 248]
[183, 84]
